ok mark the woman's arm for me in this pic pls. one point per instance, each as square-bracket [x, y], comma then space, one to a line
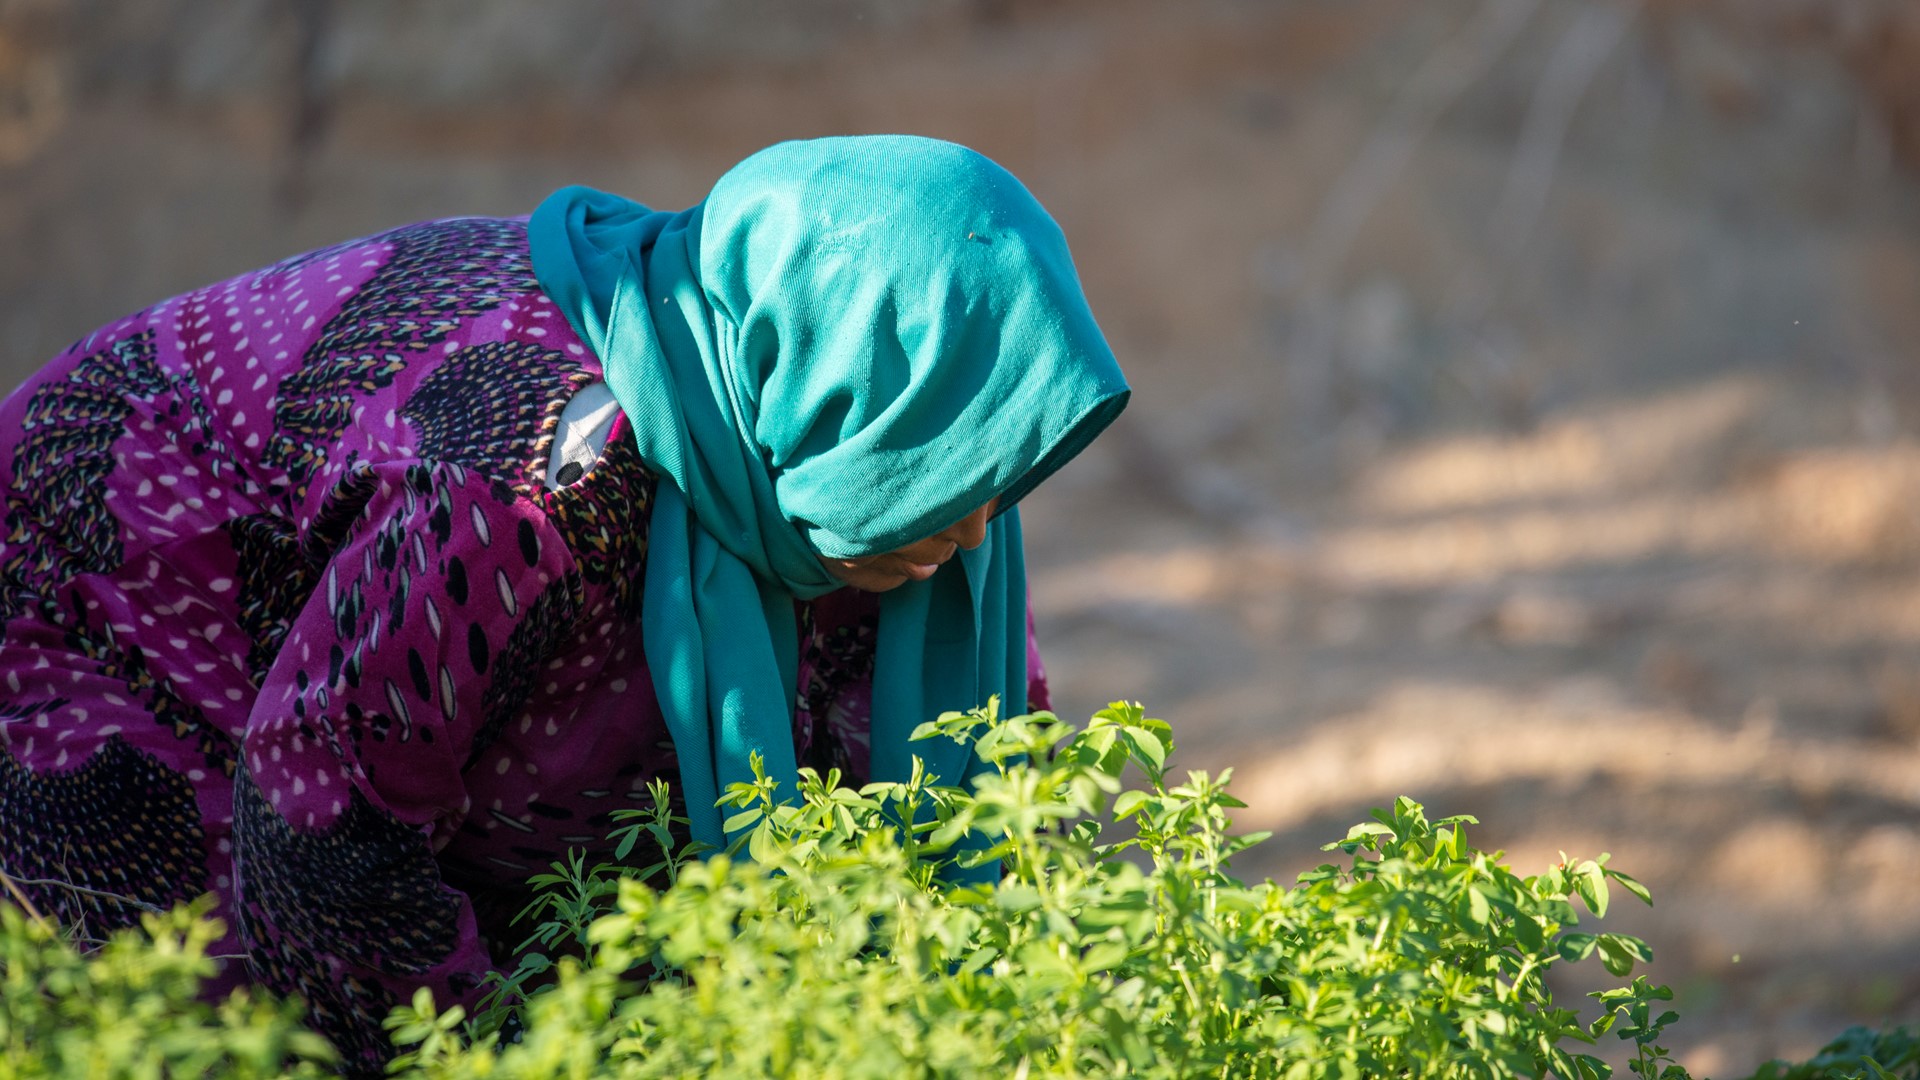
[352, 775]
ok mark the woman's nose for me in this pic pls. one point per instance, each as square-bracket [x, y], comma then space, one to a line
[971, 531]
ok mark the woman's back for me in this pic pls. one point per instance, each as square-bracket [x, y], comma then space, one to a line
[296, 612]
[323, 587]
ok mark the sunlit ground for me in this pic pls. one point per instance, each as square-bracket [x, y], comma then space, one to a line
[1642, 628]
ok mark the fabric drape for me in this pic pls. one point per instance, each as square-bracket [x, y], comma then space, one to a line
[850, 345]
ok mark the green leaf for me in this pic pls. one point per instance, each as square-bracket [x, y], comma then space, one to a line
[1879, 1073]
[1577, 947]
[1592, 1068]
[1479, 912]
[1619, 952]
[1104, 956]
[1129, 803]
[1591, 883]
[762, 845]
[1147, 748]
[1528, 930]
[1631, 886]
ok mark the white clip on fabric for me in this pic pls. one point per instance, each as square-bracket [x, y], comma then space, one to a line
[585, 424]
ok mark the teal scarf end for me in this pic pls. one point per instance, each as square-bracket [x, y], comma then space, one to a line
[848, 346]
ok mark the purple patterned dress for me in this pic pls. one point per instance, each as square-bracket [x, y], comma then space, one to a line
[293, 614]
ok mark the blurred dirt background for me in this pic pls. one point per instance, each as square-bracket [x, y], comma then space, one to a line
[1528, 391]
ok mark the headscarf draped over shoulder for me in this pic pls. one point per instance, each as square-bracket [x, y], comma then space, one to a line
[850, 345]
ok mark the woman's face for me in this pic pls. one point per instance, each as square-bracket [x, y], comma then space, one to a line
[916, 561]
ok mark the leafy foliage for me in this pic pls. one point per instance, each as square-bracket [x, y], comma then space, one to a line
[132, 1009]
[1858, 1054]
[840, 949]
[834, 939]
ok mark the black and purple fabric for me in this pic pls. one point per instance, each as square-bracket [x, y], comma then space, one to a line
[291, 613]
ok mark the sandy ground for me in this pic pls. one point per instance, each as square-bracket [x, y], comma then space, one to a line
[1526, 413]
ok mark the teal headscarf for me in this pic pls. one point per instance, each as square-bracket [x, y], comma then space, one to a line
[850, 345]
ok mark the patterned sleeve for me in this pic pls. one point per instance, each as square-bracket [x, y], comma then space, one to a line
[1038, 696]
[351, 773]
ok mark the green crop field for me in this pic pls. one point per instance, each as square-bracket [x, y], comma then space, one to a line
[834, 939]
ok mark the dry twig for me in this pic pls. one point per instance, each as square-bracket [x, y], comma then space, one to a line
[1460, 62]
[14, 886]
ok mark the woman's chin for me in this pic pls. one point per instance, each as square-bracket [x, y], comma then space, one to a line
[884, 582]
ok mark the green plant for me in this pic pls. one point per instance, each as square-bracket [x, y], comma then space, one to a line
[131, 1008]
[840, 949]
[1858, 1054]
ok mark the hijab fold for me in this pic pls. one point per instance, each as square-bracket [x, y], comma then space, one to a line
[850, 345]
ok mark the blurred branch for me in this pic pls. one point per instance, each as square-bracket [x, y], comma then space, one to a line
[1593, 36]
[20, 897]
[1498, 380]
[13, 886]
[312, 108]
[1453, 68]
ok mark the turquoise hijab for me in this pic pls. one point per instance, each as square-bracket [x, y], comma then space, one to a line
[850, 345]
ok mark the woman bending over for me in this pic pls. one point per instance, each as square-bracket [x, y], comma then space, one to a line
[357, 589]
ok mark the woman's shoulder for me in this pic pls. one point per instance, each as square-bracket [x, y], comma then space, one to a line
[425, 344]
[431, 342]
[430, 244]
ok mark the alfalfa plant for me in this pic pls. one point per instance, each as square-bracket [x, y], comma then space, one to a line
[839, 937]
